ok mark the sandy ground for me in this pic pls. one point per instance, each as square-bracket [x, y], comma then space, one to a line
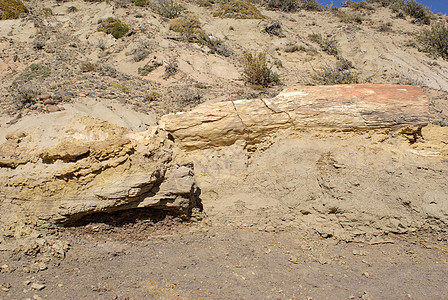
[173, 260]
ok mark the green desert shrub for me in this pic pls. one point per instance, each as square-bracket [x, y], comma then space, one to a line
[434, 40]
[327, 44]
[11, 9]
[238, 9]
[168, 8]
[283, 5]
[152, 96]
[418, 11]
[256, 70]
[340, 73]
[114, 27]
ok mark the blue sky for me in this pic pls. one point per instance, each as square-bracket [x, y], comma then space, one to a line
[435, 5]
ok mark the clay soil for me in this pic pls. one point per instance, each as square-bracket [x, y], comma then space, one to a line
[124, 256]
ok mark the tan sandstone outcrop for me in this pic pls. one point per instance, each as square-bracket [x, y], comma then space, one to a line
[57, 174]
[344, 107]
[354, 162]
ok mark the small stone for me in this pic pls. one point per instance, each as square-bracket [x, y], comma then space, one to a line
[37, 297]
[44, 97]
[270, 228]
[37, 286]
[5, 289]
[42, 266]
[366, 295]
[53, 108]
[83, 94]
[26, 282]
[366, 274]
[49, 102]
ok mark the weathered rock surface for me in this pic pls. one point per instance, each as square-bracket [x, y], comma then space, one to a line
[350, 186]
[351, 162]
[354, 162]
[344, 107]
[68, 168]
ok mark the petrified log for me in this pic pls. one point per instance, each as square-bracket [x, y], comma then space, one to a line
[345, 107]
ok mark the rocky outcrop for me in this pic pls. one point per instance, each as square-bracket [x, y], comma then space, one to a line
[57, 174]
[342, 107]
[350, 162]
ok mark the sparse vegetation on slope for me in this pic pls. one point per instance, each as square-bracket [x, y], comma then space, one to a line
[34, 71]
[238, 9]
[327, 44]
[434, 40]
[340, 73]
[412, 8]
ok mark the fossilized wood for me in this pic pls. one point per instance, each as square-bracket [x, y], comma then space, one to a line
[347, 107]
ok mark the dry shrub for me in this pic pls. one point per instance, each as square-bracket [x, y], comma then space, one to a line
[256, 70]
[168, 8]
[311, 5]
[188, 25]
[327, 44]
[340, 73]
[171, 68]
[11, 9]
[283, 5]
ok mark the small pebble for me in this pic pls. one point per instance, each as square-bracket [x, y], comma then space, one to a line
[44, 97]
[37, 286]
[53, 108]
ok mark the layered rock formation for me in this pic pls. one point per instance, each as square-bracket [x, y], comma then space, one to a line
[71, 167]
[354, 162]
